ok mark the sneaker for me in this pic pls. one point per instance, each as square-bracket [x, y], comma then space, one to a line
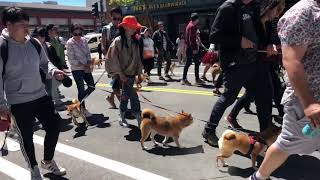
[36, 174]
[217, 92]
[254, 177]
[211, 138]
[233, 122]
[161, 78]
[168, 76]
[185, 82]
[87, 113]
[199, 82]
[54, 168]
[124, 123]
[204, 78]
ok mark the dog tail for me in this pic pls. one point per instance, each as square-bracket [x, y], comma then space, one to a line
[229, 136]
[148, 114]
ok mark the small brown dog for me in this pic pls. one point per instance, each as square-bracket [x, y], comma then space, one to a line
[232, 141]
[172, 67]
[216, 69]
[96, 62]
[170, 126]
[139, 79]
[74, 110]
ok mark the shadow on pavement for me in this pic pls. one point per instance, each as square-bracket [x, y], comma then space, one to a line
[175, 151]
[206, 86]
[157, 84]
[97, 120]
[66, 125]
[134, 134]
[296, 168]
[299, 167]
[54, 177]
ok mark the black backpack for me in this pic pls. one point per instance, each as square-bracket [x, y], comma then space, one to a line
[4, 49]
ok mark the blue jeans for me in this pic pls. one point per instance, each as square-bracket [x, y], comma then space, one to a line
[80, 77]
[128, 92]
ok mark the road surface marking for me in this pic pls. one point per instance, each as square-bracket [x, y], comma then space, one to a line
[103, 162]
[14, 171]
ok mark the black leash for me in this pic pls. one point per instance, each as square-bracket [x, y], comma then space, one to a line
[94, 86]
[149, 102]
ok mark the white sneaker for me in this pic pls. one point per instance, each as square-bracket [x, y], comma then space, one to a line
[36, 174]
[54, 168]
[87, 113]
[124, 124]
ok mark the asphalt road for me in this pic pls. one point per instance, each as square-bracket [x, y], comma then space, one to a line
[107, 151]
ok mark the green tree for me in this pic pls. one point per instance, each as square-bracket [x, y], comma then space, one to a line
[145, 3]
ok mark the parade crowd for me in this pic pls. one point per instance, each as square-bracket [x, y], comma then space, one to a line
[251, 44]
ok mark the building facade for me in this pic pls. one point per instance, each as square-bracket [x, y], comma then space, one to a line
[62, 16]
[176, 14]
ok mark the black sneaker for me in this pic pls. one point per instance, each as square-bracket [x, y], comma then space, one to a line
[233, 122]
[210, 138]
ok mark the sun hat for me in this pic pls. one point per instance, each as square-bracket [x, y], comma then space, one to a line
[131, 22]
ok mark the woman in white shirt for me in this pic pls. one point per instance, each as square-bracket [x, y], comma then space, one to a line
[147, 51]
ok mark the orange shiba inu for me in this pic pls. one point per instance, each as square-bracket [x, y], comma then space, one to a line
[170, 126]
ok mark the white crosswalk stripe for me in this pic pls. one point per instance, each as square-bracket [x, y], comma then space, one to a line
[16, 172]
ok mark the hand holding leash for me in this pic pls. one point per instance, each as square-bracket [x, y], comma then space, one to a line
[58, 75]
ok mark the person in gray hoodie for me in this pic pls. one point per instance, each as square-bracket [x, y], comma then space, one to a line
[23, 95]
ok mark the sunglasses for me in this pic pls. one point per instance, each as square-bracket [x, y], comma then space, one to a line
[77, 34]
[116, 19]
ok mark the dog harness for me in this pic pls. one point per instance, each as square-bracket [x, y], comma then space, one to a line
[253, 141]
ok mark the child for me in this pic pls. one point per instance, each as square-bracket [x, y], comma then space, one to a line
[123, 60]
[208, 60]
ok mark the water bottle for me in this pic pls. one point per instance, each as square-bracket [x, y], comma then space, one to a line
[310, 132]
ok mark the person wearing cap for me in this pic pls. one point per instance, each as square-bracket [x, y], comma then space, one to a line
[79, 57]
[124, 60]
[193, 47]
[23, 94]
[147, 51]
[238, 38]
[164, 46]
